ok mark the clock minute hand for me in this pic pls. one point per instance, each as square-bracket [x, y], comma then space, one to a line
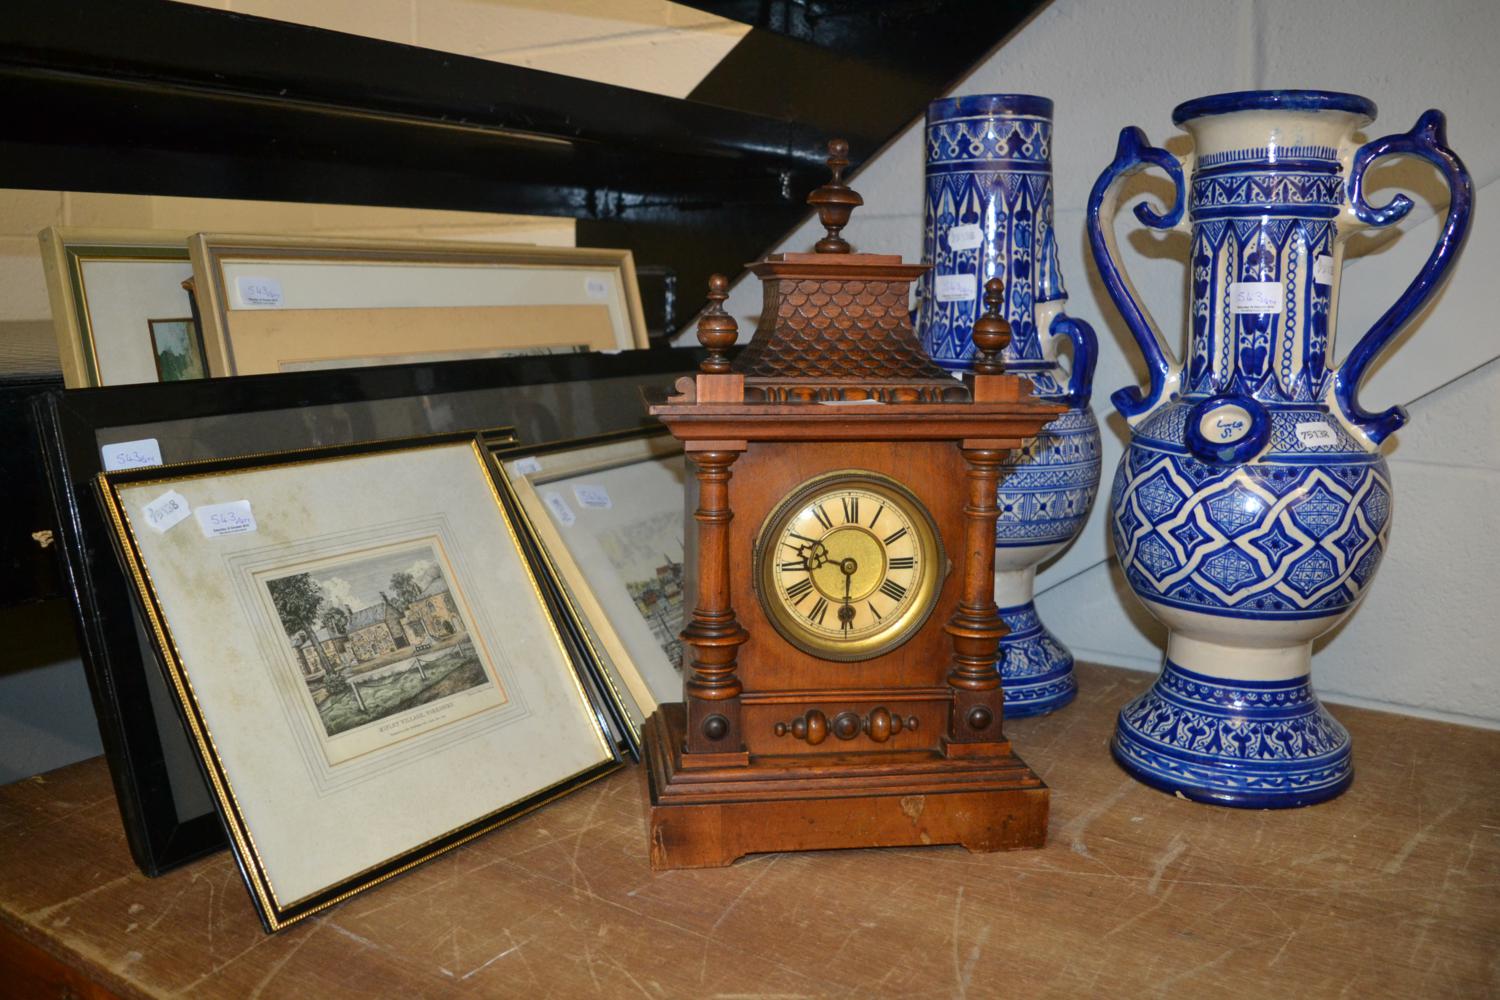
[846, 613]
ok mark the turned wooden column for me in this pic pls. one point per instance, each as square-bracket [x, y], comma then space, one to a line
[976, 627]
[712, 638]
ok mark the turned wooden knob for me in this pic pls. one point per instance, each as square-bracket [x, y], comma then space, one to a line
[991, 331]
[717, 330]
[835, 201]
[812, 727]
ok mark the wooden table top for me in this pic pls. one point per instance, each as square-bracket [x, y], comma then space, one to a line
[1391, 890]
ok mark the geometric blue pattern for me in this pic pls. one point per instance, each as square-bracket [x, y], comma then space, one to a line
[1256, 744]
[1235, 509]
[1158, 497]
[1287, 536]
[1319, 512]
[1045, 497]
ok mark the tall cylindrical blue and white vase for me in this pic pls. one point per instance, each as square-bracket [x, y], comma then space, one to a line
[988, 214]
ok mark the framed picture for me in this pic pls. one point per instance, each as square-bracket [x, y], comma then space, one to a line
[165, 805]
[118, 305]
[607, 514]
[281, 304]
[369, 667]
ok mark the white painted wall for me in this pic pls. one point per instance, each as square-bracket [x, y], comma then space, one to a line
[1426, 638]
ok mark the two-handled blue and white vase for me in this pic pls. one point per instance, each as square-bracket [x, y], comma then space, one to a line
[988, 214]
[1252, 507]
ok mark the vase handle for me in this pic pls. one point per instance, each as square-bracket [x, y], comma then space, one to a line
[1085, 356]
[1135, 153]
[1427, 139]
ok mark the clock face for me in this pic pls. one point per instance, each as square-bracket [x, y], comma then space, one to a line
[848, 566]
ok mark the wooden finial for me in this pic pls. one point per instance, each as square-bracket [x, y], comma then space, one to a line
[835, 201]
[991, 331]
[717, 330]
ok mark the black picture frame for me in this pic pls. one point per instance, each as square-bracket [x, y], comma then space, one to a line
[164, 806]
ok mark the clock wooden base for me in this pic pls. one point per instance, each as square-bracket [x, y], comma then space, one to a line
[707, 817]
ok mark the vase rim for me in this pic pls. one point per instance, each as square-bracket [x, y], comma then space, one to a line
[972, 104]
[1273, 100]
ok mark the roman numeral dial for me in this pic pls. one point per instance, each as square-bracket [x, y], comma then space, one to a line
[848, 565]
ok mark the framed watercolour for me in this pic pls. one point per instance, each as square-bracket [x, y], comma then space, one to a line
[369, 668]
[607, 514]
[119, 309]
[177, 348]
[164, 804]
[282, 304]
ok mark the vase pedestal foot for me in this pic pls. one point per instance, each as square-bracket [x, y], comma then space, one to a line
[1036, 670]
[1252, 744]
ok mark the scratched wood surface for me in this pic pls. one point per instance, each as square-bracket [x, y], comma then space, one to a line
[1391, 890]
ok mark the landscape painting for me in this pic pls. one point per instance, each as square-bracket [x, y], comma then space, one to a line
[177, 349]
[378, 635]
[648, 556]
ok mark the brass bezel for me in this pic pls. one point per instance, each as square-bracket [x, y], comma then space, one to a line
[929, 541]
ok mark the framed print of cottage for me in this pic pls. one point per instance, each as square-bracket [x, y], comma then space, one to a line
[607, 513]
[119, 309]
[370, 666]
[287, 303]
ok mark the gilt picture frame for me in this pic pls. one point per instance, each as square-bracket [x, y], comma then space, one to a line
[297, 303]
[107, 289]
[371, 671]
[607, 515]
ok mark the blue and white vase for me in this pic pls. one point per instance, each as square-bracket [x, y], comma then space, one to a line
[1252, 507]
[989, 214]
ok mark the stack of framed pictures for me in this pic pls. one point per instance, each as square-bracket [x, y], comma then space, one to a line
[176, 803]
[163, 306]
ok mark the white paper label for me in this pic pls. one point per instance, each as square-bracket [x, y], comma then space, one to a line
[965, 237]
[1255, 297]
[1317, 434]
[596, 288]
[1323, 269]
[851, 402]
[131, 454]
[560, 508]
[526, 466]
[955, 287]
[258, 293]
[591, 496]
[232, 518]
[166, 510]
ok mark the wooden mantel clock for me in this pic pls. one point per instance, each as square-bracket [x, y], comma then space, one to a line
[839, 685]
